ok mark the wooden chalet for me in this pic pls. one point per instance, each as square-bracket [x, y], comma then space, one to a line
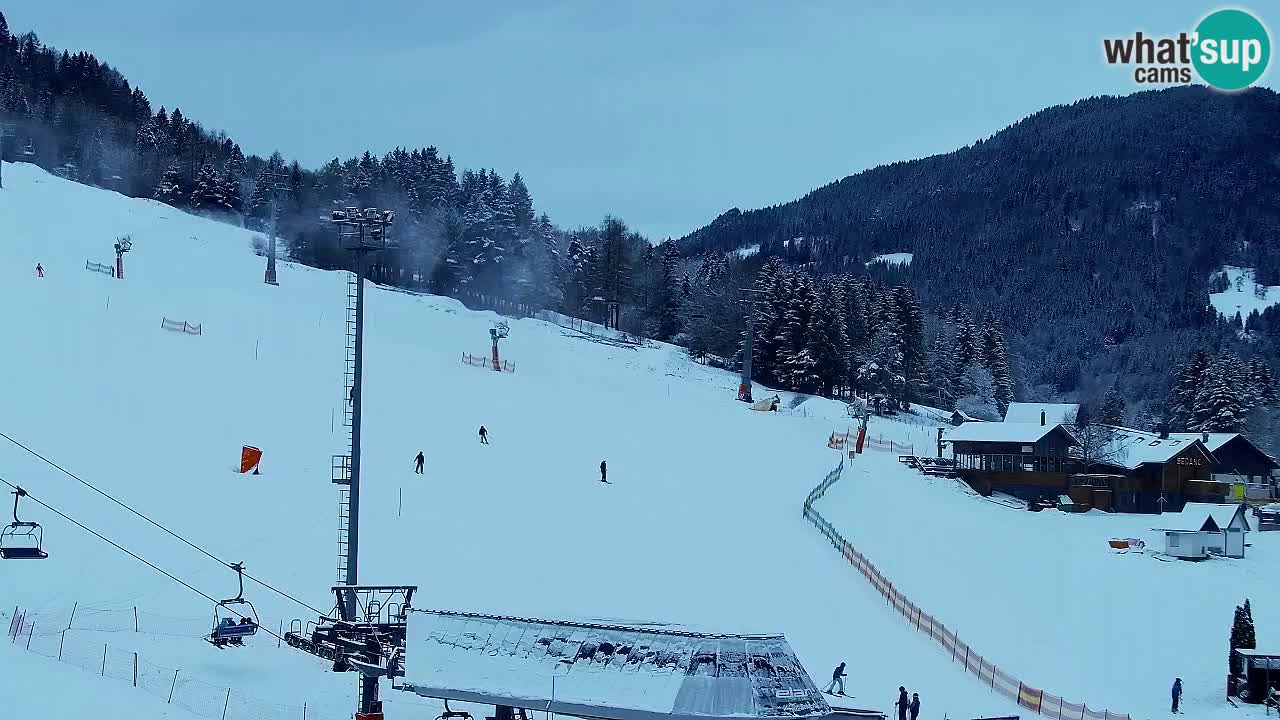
[1143, 472]
[1237, 460]
[1024, 459]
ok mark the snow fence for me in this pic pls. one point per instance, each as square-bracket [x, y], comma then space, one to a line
[181, 326]
[1031, 698]
[586, 327]
[53, 636]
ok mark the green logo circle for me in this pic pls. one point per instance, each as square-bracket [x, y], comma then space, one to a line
[1232, 49]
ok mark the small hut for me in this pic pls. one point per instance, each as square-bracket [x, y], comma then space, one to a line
[1261, 671]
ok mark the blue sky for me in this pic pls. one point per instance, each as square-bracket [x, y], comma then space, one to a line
[663, 112]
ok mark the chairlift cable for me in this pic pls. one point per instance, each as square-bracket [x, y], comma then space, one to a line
[173, 534]
[130, 553]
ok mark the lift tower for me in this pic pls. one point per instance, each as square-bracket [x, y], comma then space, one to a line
[362, 232]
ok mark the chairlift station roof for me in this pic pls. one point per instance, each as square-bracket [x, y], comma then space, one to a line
[606, 671]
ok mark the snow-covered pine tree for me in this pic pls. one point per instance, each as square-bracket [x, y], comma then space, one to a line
[1243, 635]
[967, 349]
[1185, 390]
[207, 193]
[1262, 383]
[774, 284]
[910, 324]
[793, 341]
[827, 344]
[1112, 409]
[172, 190]
[667, 309]
[1219, 407]
[995, 358]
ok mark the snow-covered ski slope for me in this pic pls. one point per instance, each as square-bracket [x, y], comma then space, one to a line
[701, 524]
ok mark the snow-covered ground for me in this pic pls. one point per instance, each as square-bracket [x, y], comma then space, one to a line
[1244, 295]
[748, 251]
[701, 525]
[1043, 595]
[898, 258]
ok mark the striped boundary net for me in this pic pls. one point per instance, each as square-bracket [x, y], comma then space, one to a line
[69, 639]
[1026, 696]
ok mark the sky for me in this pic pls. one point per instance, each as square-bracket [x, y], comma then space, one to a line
[664, 113]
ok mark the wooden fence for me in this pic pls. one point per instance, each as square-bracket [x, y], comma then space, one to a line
[1031, 698]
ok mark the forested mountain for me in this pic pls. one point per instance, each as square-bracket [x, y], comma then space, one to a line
[1068, 256]
[1089, 230]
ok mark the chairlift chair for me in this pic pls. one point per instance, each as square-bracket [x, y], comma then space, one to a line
[22, 540]
[453, 714]
[231, 627]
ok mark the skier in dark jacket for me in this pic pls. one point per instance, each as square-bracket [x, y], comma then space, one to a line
[417, 463]
[604, 470]
[484, 435]
[1177, 693]
[903, 703]
[914, 706]
[837, 677]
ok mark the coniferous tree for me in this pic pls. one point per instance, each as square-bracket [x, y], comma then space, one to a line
[1219, 407]
[207, 193]
[1184, 394]
[827, 344]
[1243, 635]
[1112, 409]
[171, 190]
[667, 311]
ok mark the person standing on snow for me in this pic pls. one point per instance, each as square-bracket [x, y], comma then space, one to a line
[39, 271]
[903, 703]
[484, 435]
[914, 707]
[1177, 693]
[837, 677]
[604, 470]
[417, 467]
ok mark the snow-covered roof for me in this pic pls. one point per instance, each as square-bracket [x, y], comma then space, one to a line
[1195, 517]
[1000, 432]
[1054, 413]
[1129, 448]
[1215, 441]
[1222, 513]
[611, 672]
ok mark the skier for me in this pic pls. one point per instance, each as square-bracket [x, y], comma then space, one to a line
[903, 703]
[39, 271]
[417, 467]
[603, 472]
[837, 677]
[484, 435]
[1177, 693]
[914, 706]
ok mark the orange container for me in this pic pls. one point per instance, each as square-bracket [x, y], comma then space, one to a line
[250, 456]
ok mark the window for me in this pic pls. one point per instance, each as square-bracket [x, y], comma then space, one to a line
[1174, 540]
[1028, 449]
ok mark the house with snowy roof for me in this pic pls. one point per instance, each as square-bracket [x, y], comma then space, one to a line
[1147, 472]
[1025, 459]
[1042, 413]
[1204, 529]
[1238, 460]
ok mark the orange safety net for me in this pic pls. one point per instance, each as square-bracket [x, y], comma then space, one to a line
[250, 456]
